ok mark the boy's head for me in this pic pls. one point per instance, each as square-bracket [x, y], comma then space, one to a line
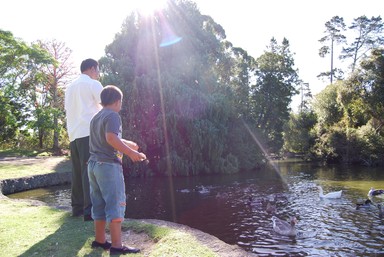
[110, 95]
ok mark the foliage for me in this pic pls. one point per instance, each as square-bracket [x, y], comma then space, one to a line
[32, 79]
[20, 70]
[271, 95]
[186, 102]
[368, 85]
[372, 146]
[49, 104]
[10, 115]
[326, 106]
[350, 115]
[298, 133]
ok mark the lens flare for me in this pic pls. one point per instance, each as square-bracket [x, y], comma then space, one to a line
[168, 35]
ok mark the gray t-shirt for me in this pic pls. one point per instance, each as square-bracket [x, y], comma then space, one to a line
[104, 121]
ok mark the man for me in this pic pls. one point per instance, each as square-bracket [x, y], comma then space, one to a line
[82, 102]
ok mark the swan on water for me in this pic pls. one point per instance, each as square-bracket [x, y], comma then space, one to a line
[330, 195]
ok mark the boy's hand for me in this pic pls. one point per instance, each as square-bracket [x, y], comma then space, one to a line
[138, 157]
[143, 157]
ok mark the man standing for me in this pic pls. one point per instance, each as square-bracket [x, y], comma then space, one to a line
[82, 102]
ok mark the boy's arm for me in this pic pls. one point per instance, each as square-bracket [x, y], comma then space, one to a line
[120, 146]
[131, 144]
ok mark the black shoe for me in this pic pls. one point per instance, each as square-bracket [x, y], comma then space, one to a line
[123, 250]
[105, 246]
[88, 218]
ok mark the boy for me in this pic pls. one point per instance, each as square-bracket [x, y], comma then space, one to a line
[105, 171]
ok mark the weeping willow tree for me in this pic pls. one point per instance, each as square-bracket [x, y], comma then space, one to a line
[177, 73]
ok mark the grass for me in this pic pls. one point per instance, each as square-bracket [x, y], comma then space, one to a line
[19, 166]
[16, 152]
[26, 167]
[170, 242]
[29, 230]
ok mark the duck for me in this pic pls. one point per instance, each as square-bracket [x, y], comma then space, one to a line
[367, 204]
[375, 192]
[330, 195]
[271, 208]
[380, 207]
[283, 227]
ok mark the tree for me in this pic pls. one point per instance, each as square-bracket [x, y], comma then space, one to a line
[276, 81]
[180, 95]
[367, 83]
[50, 102]
[298, 135]
[20, 70]
[333, 34]
[306, 96]
[243, 67]
[327, 107]
[369, 35]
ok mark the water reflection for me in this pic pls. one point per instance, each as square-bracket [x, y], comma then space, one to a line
[233, 208]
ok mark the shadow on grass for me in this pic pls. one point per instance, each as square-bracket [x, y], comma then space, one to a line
[73, 238]
[64, 166]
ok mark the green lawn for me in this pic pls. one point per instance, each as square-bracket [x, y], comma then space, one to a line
[29, 230]
[24, 167]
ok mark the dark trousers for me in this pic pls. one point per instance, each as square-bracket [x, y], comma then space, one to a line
[80, 197]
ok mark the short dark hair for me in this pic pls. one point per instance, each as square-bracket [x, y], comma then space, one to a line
[110, 94]
[87, 64]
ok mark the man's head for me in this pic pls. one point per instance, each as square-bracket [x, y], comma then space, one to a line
[90, 67]
[111, 96]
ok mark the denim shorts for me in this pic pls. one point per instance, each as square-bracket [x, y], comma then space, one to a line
[107, 191]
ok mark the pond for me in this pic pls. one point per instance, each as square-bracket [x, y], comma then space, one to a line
[233, 207]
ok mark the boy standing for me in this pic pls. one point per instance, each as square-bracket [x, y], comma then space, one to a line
[105, 171]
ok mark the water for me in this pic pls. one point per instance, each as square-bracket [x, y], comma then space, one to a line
[233, 208]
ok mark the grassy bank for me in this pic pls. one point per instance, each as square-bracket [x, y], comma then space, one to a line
[16, 163]
[29, 228]
[35, 230]
[25, 167]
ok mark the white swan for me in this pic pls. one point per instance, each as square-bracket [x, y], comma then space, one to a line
[330, 195]
[283, 227]
[375, 192]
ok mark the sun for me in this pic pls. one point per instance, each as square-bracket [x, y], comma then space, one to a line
[148, 7]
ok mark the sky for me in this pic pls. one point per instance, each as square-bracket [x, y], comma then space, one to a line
[87, 26]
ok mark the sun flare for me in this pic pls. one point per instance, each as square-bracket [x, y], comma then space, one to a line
[148, 7]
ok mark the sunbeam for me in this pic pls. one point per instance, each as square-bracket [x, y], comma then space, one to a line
[257, 141]
[164, 124]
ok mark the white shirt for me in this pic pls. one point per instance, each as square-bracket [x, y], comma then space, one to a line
[82, 102]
